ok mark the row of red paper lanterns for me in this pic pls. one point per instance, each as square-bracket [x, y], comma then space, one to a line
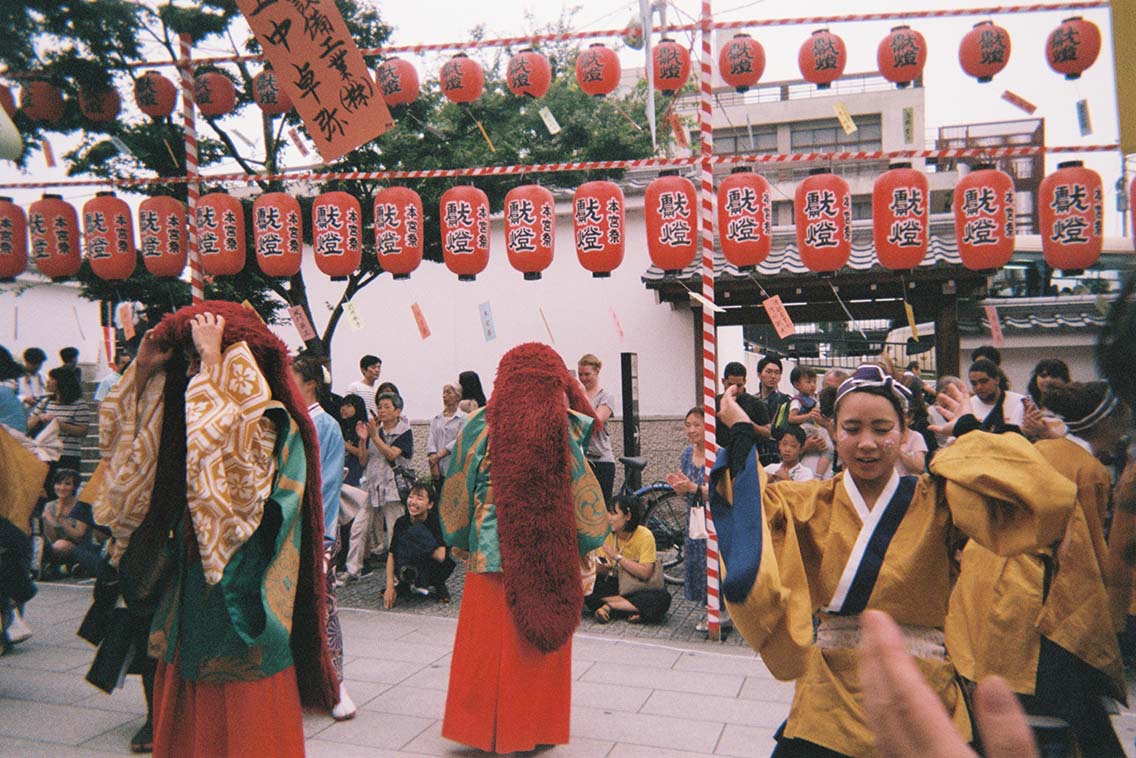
[1070, 49]
[1070, 203]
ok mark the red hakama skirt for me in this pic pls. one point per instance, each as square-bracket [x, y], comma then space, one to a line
[504, 695]
[254, 718]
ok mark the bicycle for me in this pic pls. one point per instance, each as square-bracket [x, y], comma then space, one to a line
[664, 513]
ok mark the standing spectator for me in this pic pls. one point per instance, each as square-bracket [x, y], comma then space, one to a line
[833, 378]
[390, 445]
[308, 373]
[371, 367]
[987, 352]
[691, 481]
[470, 384]
[734, 374]
[32, 387]
[1039, 422]
[993, 404]
[69, 358]
[65, 404]
[352, 410]
[392, 389]
[776, 405]
[12, 411]
[121, 362]
[67, 530]
[444, 429]
[600, 456]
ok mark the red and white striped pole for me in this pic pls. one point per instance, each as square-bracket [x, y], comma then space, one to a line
[196, 277]
[709, 336]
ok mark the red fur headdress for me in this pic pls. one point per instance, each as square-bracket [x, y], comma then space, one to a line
[532, 491]
[319, 685]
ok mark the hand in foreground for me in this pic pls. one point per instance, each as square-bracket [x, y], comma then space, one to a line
[909, 719]
[389, 595]
[151, 355]
[681, 484]
[207, 329]
[730, 412]
[953, 404]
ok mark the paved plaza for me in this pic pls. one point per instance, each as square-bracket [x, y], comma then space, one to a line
[638, 692]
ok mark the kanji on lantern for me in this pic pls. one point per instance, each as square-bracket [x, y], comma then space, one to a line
[984, 218]
[670, 66]
[901, 56]
[822, 209]
[398, 81]
[1071, 216]
[528, 74]
[40, 100]
[337, 234]
[398, 230]
[822, 58]
[108, 232]
[269, 96]
[901, 217]
[599, 227]
[671, 212]
[465, 231]
[530, 229]
[277, 233]
[53, 231]
[221, 234]
[100, 105]
[741, 62]
[1073, 46]
[162, 235]
[462, 79]
[984, 51]
[744, 224]
[155, 95]
[214, 94]
[13, 240]
[598, 70]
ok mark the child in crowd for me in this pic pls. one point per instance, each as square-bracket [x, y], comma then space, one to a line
[418, 562]
[803, 408]
[790, 468]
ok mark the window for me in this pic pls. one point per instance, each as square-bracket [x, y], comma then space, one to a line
[826, 135]
[738, 140]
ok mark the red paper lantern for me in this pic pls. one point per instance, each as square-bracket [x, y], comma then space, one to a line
[984, 51]
[528, 74]
[465, 231]
[901, 217]
[462, 79]
[7, 102]
[40, 100]
[108, 232]
[671, 210]
[337, 234]
[398, 81]
[1073, 47]
[1071, 216]
[984, 218]
[744, 218]
[53, 229]
[822, 58]
[901, 56]
[742, 62]
[598, 70]
[823, 213]
[162, 235]
[13, 240]
[530, 229]
[398, 230]
[99, 106]
[221, 234]
[155, 95]
[277, 234]
[671, 66]
[599, 226]
[214, 94]
[268, 95]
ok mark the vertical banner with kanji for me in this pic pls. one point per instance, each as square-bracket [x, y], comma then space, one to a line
[320, 67]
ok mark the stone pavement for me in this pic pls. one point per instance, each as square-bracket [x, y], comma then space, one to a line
[633, 697]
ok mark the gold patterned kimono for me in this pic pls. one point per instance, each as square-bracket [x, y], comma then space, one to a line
[789, 548]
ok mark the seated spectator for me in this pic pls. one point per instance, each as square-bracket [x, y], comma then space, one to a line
[418, 562]
[790, 469]
[67, 530]
[627, 558]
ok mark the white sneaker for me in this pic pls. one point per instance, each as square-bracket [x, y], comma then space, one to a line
[18, 630]
[345, 709]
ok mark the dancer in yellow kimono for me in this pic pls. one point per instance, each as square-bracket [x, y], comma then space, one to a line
[867, 539]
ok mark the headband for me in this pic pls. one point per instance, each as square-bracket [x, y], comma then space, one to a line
[870, 375]
[1107, 404]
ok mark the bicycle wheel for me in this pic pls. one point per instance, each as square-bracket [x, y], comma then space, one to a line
[667, 518]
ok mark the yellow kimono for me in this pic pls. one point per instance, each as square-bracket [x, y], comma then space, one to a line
[814, 548]
[1000, 608]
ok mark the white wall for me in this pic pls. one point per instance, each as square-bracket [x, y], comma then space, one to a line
[49, 316]
[578, 310]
